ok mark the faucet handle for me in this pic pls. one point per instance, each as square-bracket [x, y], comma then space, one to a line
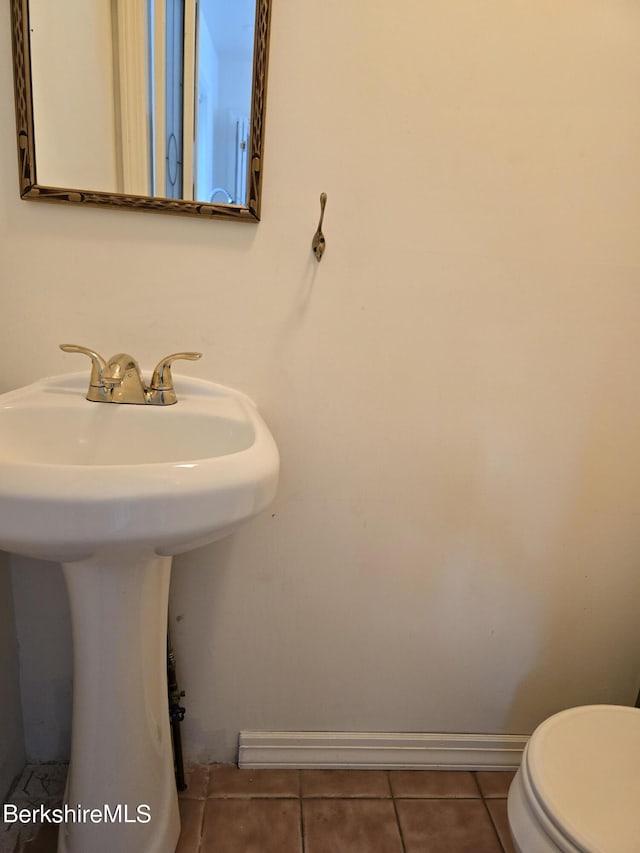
[97, 362]
[162, 380]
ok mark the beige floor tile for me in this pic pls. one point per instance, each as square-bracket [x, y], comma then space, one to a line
[228, 781]
[495, 783]
[350, 826]
[251, 826]
[498, 812]
[197, 778]
[433, 783]
[447, 826]
[344, 783]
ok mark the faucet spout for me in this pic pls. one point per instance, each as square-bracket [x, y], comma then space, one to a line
[117, 367]
[123, 377]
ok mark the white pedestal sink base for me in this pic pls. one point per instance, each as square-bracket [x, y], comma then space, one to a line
[102, 489]
[121, 753]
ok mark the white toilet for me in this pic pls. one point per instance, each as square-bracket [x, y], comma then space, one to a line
[578, 787]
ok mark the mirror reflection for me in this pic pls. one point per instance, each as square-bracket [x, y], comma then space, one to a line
[144, 97]
[154, 105]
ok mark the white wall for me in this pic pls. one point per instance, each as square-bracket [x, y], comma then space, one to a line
[44, 652]
[11, 732]
[454, 389]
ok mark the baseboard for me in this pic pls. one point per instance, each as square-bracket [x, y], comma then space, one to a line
[380, 751]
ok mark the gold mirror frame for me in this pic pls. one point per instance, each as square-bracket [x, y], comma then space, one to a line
[30, 188]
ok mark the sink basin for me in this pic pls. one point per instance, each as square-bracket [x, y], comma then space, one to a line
[113, 492]
[77, 477]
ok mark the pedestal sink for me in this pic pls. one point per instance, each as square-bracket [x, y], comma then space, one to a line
[113, 492]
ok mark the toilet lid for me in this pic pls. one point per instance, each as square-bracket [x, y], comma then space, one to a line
[584, 768]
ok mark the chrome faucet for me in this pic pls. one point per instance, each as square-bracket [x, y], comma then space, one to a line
[119, 380]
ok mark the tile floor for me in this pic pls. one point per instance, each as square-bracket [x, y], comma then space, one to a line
[40, 784]
[226, 810]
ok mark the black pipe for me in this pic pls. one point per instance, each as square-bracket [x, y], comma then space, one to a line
[176, 716]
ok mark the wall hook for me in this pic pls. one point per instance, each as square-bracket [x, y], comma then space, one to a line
[319, 244]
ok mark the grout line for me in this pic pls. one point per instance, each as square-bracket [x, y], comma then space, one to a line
[349, 797]
[427, 799]
[475, 779]
[495, 828]
[302, 837]
[204, 808]
[201, 832]
[342, 797]
[395, 811]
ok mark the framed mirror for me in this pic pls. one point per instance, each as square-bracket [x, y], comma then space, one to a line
[154, 105]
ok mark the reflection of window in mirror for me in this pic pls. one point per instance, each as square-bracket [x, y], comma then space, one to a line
[198, 144]
[224, 55]
[149, 97]
[178, 60]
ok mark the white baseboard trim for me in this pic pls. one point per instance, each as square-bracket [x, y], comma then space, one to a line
[380, 751]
